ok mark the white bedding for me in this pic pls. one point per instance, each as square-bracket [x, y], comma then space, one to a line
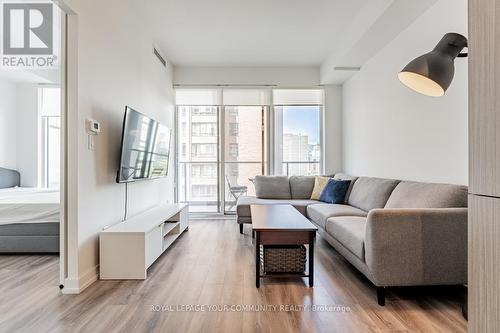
[29, 205]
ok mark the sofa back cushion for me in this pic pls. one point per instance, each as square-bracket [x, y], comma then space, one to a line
[427, 195]
[301, 187]
[272, 187]
[369, 193]
[344, 176]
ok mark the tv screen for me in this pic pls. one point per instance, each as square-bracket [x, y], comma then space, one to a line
[145, 148]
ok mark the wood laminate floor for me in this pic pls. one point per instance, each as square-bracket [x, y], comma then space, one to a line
[212, 264]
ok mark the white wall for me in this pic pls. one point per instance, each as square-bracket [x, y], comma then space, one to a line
[27, 134]
[391, 131]
[19, 129]
[116, 67]
[332, 129]
[283, 76]
[7, 124]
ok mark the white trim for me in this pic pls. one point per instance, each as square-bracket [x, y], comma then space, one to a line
[68, 262]
[221, 157]
[63, 220]
[76, 286]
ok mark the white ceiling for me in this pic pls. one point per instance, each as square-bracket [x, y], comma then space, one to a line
[258, 33]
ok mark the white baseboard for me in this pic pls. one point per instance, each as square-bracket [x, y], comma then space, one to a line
[77, 285]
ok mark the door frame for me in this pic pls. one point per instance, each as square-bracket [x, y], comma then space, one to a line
[68, 226]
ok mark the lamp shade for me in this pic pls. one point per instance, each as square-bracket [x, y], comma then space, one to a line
[431, 74]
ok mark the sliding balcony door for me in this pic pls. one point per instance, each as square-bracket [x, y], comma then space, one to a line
[221, 146]
[245, 151]
[197, 152]
[198, 157]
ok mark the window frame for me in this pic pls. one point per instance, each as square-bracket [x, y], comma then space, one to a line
[221, 108]
[44, 143]
[277, 162]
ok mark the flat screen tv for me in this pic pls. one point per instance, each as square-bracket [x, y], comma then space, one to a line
[145, 148]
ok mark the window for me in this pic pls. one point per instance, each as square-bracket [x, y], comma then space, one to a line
[298, 131]
[232, 110]
[183, 149]
[49, 163]
[204, 150]
[232, 170]
[204, 111]
[204, 191]
[219, 152]
[233, 149]
[197, 167]
[183, 128]
[233, 129]
[204, 129]
[183, 110]
[204, 170]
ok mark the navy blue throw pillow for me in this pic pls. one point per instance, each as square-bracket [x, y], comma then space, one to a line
[335, 191]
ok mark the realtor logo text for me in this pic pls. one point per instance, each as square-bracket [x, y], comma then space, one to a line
[28, 35]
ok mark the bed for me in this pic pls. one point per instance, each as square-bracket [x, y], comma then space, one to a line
[29, 217]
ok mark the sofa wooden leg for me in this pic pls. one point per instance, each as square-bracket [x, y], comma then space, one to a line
[381, 296]
[241, 228]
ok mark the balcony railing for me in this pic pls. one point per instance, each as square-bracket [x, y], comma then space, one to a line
[236, 173]
[301, 168]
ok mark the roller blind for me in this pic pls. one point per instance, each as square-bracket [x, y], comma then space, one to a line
[298, 97]
[198, 97]
[49, 101]
[248, 96]
[245, 97]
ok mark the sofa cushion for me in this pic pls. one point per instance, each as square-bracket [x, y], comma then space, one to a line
[344, 176]
[321, 212]
[427, 195]
[335, 191]
[244, 202]
[350, 232]
[272, 187]
[301, 187]
[369, 193]
[319, 185]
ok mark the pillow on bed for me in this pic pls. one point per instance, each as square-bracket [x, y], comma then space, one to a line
[9, 178]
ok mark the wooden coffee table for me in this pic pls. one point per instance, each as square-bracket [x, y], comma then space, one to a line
[282, 225]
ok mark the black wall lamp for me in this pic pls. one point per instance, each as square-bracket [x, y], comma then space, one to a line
[431, 74]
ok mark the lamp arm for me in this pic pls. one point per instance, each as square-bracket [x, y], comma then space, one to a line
[461, 45]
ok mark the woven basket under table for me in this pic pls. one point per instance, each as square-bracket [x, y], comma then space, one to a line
[283, 258]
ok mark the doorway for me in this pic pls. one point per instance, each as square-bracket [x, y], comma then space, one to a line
[36, 136]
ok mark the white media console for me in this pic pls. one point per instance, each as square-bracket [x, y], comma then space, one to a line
[127, 249]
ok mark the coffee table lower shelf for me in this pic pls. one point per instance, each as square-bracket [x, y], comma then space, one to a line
[284, 237]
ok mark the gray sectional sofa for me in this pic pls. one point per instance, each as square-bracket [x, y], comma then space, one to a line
[397, 233]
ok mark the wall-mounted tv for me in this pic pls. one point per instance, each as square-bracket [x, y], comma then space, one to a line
[145, 148]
